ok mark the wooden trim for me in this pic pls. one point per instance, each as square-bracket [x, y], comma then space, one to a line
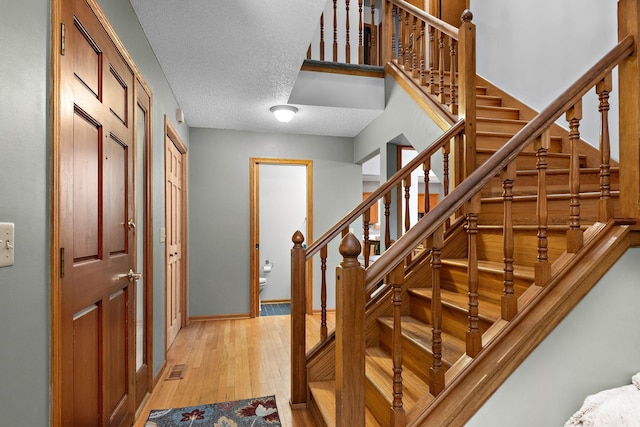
[254, 227]
[171, 133]
[238, 316]
[54, 244]
[340, 68]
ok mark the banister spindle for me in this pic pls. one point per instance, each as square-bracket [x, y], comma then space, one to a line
[542, 266]
[426, 167]
[423, 53]
[360, 33]
[441, 95]
[322, 37]
[335, 30]
[372, 48]
[474, 338]
[436, 371]
[365, 230]
[347, 48]
[605, 204]
[574, 234]
[414, 48]
[323, 294]
[350, 333]
[298, 322]
[400, 35]
[387, 220]
[396, 277]
[407, 41]
[407, 208]
[453, 77]
[432, 55]
[509, 302]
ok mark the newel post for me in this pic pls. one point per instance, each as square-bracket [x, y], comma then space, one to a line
[298, 323]
[629, 107]
[467, 89]
[350, 341]
[387, 32]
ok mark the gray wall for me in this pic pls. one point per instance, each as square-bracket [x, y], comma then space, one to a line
[596, 347]
[24, 200]
[219, 206]
[126, 24]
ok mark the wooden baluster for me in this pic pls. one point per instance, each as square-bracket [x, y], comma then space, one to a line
[453, 77]
[426, 167]
[298, 322]
[467, 90]
[365, 229]
[373, 47]
[574, 234]
[446, 151]
[400, 36]
[414, 50]
[441, 94]
[322, 37]
[323, 294]
[542, 266]
[474, 338]
[407, 208]
[396, 277]
[350, 333]
[423, 53]
[436, 372]
[387, 220]
[432, 50]
[360, 39]
[391, 51]
[407, 41]
[347, 48]
[335, 30]
[509, 300]
[605, 204]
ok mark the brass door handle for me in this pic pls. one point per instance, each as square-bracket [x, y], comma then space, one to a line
[133, 276]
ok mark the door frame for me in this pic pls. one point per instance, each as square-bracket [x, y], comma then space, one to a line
[171, 136]
[254, 226]
[55, 258]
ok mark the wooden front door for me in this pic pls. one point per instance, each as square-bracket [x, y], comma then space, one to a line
[96, 235]
[175, 206]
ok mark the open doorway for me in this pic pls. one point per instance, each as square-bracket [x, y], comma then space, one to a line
[281, 203]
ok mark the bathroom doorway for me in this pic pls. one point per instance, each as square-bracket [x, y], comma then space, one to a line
[281, 203]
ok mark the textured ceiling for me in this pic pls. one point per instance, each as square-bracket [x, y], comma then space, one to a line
[228, 62]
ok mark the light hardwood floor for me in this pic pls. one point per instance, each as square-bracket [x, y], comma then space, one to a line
[233, 359]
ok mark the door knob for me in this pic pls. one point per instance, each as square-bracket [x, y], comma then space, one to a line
[131, 224]
[133, 276]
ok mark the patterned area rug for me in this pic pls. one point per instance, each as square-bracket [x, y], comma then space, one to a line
[259, 411]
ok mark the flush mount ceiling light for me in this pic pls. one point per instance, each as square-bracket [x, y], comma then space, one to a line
[284, 113]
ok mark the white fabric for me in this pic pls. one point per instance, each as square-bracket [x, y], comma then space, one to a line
[617, 407]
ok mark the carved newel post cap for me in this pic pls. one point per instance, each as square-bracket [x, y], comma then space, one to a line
[467, 16]
[350, 246]
[297, 238]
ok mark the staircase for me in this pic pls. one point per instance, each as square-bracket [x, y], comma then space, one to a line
[511, 250]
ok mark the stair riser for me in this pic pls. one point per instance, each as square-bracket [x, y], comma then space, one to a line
[454, 320]
[494, 142]
[558, 211]
[377, 404]
[489, 125]
[490, 284]
[413, 355]
[527, 160]
[491, 101]
[497, 112]
[490, 244]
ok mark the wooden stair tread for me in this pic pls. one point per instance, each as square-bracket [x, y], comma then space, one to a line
[324, 396]
[420, 334]
[519, 271]
[487, 311]
[379, 368]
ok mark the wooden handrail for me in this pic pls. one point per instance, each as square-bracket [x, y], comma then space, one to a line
[505, 155]
[439, 25]
[383, 189]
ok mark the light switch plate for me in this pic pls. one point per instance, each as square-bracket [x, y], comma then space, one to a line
[6, 243]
